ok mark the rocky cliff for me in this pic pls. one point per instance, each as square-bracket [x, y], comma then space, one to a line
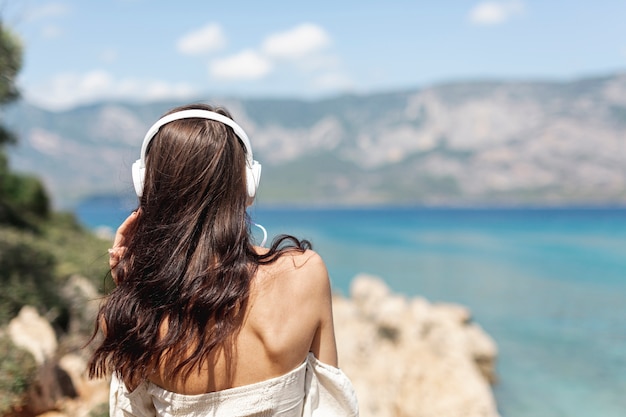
[406, 357]
[410, 358]
[459, 143]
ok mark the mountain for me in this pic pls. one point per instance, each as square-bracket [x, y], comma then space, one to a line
[464, 143]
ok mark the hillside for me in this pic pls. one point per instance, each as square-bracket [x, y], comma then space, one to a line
[459, 143]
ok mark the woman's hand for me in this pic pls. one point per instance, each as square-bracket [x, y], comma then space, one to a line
[119, 244]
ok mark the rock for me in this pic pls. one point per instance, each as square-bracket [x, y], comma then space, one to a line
[406, 357]
[409, 358]
[367, 292]
[451, 312]
[83, 298]
[51, 386]
[33, 333]
[483, 350]
[61, 387]
[90, 392]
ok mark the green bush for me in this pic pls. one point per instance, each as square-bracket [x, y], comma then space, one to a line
[10, 64]
[26, 195]
[23, 198]
[76, 250]
[34, 265]
[26, 275]
[101, 410]
[17, 372]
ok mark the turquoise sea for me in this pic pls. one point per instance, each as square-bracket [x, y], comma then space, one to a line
[549, 285]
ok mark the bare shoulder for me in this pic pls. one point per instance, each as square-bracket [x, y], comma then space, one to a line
[290, 299]
[308, 261]
[305, 271]
[297, 281]
[312, 296]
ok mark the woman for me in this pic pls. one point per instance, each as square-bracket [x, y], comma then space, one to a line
[201, 321]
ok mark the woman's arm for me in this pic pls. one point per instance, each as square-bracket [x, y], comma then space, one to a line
[323, 346]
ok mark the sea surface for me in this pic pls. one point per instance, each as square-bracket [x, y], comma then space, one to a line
[549, 285]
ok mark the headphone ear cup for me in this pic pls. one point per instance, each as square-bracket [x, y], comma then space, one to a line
[253, 177]
[139, 173]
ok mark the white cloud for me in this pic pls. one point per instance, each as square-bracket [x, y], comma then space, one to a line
[495, 12]
[333, 81]
[51, 32]
[302, 46]
[246, 65]
[70, 89]
[206, 39]
[43, 15]
[302, 40]
[54, 9]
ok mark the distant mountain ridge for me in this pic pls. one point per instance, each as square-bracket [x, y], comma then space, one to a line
[465, 143]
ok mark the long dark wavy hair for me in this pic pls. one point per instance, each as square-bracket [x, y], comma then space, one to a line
[183, 283]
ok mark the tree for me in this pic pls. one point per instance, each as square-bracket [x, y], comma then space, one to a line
[21, 196]
[10, 66]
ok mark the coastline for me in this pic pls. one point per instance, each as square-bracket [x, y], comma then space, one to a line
[547, 284]
[410, 357]
[405, 357]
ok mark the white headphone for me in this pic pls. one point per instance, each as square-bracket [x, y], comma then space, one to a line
[253, 168]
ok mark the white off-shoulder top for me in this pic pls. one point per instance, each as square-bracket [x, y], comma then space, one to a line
[313, 389]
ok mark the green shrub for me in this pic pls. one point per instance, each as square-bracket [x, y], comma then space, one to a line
[26, 275]
[17, 372]
[101, 410]
[10, 64]
[26, 195]
[76, 250]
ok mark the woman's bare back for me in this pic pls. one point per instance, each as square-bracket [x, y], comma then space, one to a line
[288, 315]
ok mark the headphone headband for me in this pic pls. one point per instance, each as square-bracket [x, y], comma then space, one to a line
[253, 168]
[196, 114]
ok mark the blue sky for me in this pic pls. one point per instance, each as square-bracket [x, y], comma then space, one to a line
[80, 51]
